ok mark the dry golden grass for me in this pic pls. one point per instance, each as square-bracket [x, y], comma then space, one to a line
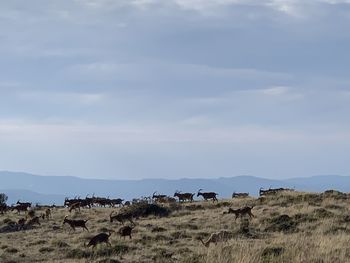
[289, 227]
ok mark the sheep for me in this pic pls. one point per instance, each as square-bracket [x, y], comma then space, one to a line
[75, 223]
[125, 231]
[207, 195]
[183, 197]
[121, 217]
[98, 239]
[217, 237]
[241, 212]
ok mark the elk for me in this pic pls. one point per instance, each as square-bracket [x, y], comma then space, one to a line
[207, 195]
[241, 211]
[184, 197]
[75, 223]
[121, 217]
[125, 231]
[99, 239]
[234, 195]
[216, 237]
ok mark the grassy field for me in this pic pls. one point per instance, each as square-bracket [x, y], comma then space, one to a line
[288, 227]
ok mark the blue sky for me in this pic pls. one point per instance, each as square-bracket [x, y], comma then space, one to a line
[177, 88]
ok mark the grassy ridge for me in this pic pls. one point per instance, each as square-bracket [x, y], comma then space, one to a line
[288, 227]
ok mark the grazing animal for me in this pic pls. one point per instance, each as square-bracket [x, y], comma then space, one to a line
[184, 197]
[241, 211]
[3, 208]
[217, 237]
[99, 239]
[207, 195]
[125, 231]
[75, 223]
[121, 217]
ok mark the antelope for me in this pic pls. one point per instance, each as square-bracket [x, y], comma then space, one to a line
[216, 237]
[98, 239]
[207, 195]
[241, 212]
[184, 197]
[75, 223]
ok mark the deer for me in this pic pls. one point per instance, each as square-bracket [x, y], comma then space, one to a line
[76, 223]
[207, 195]
[184, 196]
[241, 212]
[99, 239]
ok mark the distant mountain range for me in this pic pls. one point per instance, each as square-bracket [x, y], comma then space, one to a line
[53, 189]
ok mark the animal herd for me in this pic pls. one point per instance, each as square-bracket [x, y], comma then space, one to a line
[126, 230]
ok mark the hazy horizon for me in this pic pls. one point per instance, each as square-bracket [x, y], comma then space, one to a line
[137, 89]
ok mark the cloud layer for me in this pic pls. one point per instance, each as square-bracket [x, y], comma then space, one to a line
[151, 88]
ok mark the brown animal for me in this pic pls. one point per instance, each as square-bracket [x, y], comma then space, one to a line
[207, 195]
[217, 237]
[99, 239]
[19, 208]
[74, 206]
[121, 217]
[184, 197]
[75, 223]
[241, 211]
[125, 231]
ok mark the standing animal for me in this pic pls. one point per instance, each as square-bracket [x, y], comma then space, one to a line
[184, 196]
[125, 231]
[207, 195]
[121, 217]
[99, 239]
[241, 212]
[75, 223]
[27, 204]
[216, 237]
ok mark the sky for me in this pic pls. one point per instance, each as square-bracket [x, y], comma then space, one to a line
[131, 89]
